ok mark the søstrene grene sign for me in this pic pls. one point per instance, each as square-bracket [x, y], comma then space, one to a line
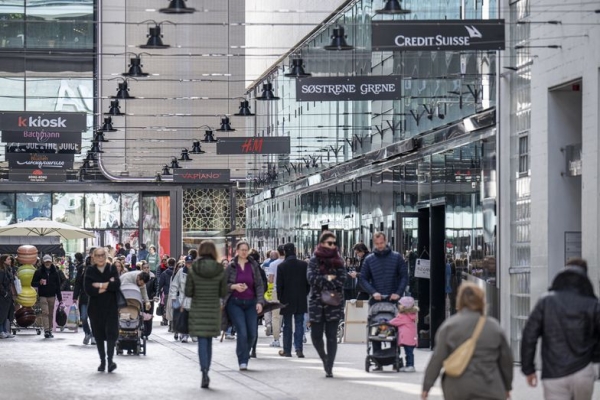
[349, 88]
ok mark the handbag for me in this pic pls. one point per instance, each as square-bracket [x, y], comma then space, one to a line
[160, 310]
[456, 363]
[18, 286]
[61, 316]
[181, 325]
[331, 297]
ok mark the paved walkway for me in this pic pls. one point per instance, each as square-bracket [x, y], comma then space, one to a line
[62, 368]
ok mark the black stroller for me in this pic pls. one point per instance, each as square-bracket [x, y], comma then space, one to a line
[386, 335]
[131, 323]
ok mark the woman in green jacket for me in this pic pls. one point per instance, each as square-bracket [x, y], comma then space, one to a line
[206, 286]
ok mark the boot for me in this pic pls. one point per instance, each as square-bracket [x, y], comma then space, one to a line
[170, 326]
[102, 366]
[205, 379]
[111, 366]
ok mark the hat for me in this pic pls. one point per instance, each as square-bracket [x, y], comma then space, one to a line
[47, 257]
[407, 302]
[189, 259]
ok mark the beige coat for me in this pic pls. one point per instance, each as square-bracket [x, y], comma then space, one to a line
[489, 374]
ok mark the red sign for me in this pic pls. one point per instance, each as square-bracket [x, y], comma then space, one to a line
[201, 175]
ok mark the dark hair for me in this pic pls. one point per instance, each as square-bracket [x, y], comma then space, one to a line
[142, 246]
[326, 235]
[242, 243]
[3, 258]
[578, 262]
[91, 251]
[144, 276]
[193, 253]
[128, 245]
[254, 255]
[290, 249]
[79, 257]
[208, 249]
[171, 262]
[281, 250]
[360, 247]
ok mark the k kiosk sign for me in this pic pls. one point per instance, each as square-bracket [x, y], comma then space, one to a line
[461, 34]
[42, 121]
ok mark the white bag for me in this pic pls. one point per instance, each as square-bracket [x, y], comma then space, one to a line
[18, 286]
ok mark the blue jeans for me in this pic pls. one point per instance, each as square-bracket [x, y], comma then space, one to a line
[242, 314]
[83, 315]
[287, 332]
[409, 355]
[205, 352]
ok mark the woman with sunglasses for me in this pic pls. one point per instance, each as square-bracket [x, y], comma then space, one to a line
[326, 275]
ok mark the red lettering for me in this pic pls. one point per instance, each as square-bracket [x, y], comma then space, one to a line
[22, 122]
[247, 146]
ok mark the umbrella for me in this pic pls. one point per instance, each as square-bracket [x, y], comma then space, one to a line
[45, 227]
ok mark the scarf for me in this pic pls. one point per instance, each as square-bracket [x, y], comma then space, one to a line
[328, 258]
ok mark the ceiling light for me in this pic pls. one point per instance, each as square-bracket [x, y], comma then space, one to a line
[99, 137]
[196, 148]
[209, 137]
[244, 110]
[95, 147]
[225, 125]
[297, 69]
[165, 170]
[107, 126]
[114, 109]
[338, 40]
[174, 163]
[135, 68]
[123, 92]
[177, 7]
[154, 39]
[267, 93]
[158, 178]
[185, 155]
[392, 7]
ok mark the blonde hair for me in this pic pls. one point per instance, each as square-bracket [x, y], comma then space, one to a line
[470, 296]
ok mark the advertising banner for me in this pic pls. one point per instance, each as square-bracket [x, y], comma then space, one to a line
[349, 88]
[68, 302]
[37, 121]
[254, 145]
[40, 136]
[201, 175]
[37, 175]
[40, 161]
[468, 34]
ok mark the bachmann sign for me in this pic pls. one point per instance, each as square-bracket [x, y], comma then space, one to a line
[349, 88]
[254, 145]
[41, 136]
[468, 34]
[37, 175]
[39, 121]
[40, 161]
[201, 175]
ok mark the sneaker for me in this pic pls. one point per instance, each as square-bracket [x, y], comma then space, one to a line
[3, 335]
[86, 339]
[195, 339]
[275, 343]
[407, 369]
[284, 354]
[299, 354]
[243, 367]
[9, 336]
[47, 334]
[92, 341]
[230, 337]
[50, 335]
[184, 339]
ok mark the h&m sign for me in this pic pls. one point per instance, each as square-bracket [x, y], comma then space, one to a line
[349, 88]
[254, 145]
[467, 34]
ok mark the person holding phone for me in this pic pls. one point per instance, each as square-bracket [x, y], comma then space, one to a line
[48, 282]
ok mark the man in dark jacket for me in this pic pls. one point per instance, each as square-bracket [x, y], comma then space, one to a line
[81, 297]
[568, 320]
[47, 280]
[163, 288]
[292, 290]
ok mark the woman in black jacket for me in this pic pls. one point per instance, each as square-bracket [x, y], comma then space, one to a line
[361, 251]
[101, 284]
[81, 298]
[326, 271]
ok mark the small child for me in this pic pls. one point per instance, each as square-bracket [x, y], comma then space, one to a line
[406, 322]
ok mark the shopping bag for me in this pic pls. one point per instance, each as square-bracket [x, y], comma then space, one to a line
[73, 317]
[181, 324]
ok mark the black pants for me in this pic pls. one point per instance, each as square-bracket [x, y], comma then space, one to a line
[316, 334]
[102, 353]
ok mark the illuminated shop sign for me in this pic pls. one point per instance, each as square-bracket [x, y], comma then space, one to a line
[40, 136]
[472, 34]
[349, 88]
[254, 145]
[201, 175]
[39, 121]
[60, 148]
[40, 161]
[37, 175]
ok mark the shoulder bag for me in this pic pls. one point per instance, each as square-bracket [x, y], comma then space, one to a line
[121, 300]
[456, 363]
[331, 297]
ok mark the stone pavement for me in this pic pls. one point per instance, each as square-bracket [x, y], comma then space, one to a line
[32, 367]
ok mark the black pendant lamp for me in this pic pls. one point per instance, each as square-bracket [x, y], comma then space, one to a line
[177, 7]
[225, 125]
[154, 39]
[338, 40]
[244, 110]
[392, 7]
[196, 148]
[174, 163]
[95, 147]
[158, 177]
[267, 93]
[165, 170]
[135, 68]
[297, 69]
[123, 92]
[114, 109]
[185, 155]
[107, 126]
[99, 137]
[209, 137]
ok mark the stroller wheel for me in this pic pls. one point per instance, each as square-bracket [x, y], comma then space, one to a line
[367, 364]
[38, 331]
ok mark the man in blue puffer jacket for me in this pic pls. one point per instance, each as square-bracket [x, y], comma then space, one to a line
[384, 272]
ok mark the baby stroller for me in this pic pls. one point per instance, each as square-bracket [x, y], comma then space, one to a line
[386, 335]
[131, 322]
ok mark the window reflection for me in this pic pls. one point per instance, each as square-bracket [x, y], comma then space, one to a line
[102, 210]
[7, 209]
[130, 209]
[68, 208]
[33, 205]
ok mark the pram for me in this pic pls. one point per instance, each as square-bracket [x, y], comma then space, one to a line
[380, 331]
[131, 322]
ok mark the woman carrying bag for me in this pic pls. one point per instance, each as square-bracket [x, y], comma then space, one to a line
[473, 351]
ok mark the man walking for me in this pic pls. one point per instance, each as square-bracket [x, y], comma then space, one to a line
[81, 297]
[567, 318]
[292, 290]
[272, 277]
[47, 280]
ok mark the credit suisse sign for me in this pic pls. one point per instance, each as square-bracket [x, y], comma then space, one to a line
[42, 121]
[467, 34]
[201, 175]
[349, 88]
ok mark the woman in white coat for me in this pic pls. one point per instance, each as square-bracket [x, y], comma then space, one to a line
[177, 296]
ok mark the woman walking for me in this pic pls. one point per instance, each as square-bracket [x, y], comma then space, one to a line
[7, 306]
[101, 284]
[206, 286]
[489, 373]
[244, 301]
[326, 276]
[361, 251]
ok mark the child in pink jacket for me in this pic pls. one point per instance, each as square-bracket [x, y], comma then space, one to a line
[406, 322]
